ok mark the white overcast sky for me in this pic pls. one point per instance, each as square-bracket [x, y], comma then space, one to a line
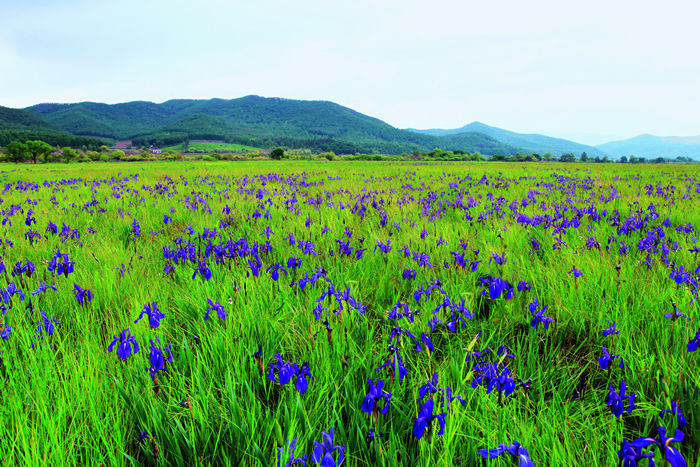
[590, 71]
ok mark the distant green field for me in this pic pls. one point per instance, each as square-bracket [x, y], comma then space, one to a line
[213, 147]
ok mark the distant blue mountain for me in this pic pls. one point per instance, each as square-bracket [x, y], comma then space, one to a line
[533, 143]
[651, 146]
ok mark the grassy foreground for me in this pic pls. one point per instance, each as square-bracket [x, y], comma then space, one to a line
[495, 236]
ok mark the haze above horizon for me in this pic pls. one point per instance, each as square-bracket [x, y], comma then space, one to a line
[590, 72]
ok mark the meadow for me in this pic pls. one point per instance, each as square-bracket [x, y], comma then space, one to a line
[303, 313]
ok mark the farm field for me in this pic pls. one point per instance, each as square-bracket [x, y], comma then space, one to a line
[269, 313]
[213, 147]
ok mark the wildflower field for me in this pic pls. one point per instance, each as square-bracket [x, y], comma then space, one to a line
[303, 313]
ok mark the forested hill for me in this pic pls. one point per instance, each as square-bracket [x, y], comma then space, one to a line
[21, 125]
[257, 121]
[18, 119]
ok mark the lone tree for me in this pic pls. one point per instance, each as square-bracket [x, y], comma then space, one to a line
[17, 152]
[39, 150]
[277, 154]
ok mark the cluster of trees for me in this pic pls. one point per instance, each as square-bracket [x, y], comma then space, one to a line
[520, 157]
[34, 150]
[438, 154]
[40, 151]
[584, 158]
[37, 151]
[657, 160]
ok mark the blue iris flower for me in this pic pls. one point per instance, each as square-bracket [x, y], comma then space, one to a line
[612, 330]
[538, 315]
[425, 419]
[606, 359]
[675, 314]
[675, 410]
[274, 270]
[127, 344]
[153, 313]
[323, 452]
[670, 453]
[215, 306]
[82, 294]
[158, 359]
[375, 393]
[203, 270]
[292, 460]
[576, 273]
[630, 456]
[515, 450]
[11, 290]
[694, 342]
[136, 228]
[616, 400]
[288, 370]
[48, 323]
[43, 287]
[5, 332]
[500, 260]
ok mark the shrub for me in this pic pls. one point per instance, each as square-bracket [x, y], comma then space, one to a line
[277, 154]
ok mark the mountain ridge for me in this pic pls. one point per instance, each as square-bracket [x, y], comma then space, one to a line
[652, 146]
[529, 142]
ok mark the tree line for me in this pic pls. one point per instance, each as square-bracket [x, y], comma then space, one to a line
[40, 151]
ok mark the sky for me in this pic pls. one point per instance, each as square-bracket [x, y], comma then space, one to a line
[590, 71]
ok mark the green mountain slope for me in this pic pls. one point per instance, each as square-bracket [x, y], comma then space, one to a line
[485, 143]
[18, 119]
[117, 121]
[21, 125]
[256, 121]
[533, 143]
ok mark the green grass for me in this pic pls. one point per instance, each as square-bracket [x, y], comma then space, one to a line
[214, 147]
[68, 401]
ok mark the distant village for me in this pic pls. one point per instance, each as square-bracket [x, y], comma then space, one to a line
[126, 146]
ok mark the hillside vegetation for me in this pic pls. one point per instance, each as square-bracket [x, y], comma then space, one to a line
[254, 121]
[22, 125]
